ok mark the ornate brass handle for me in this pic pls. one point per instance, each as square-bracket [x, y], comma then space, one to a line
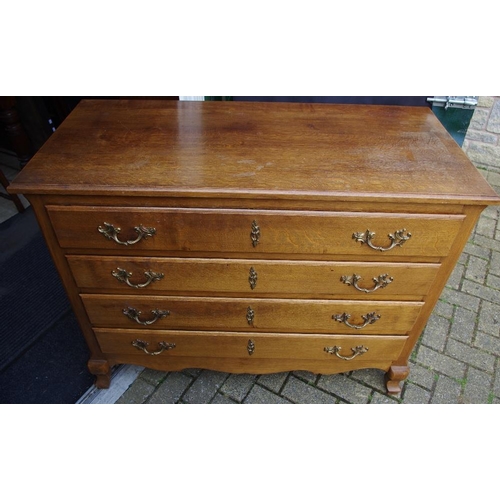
[142, 345]
[124, 276]
[369, 318]
[380, 282]
[397, 239]
[357, 351]
[134, 315]
[111, 233]
[255, 233]
[252, 278]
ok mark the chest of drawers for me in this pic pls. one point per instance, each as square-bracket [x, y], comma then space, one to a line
[253, 238]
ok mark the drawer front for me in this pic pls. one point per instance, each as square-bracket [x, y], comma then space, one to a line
[267, 315]
[252, 346]
[255, 278]
[253, 231]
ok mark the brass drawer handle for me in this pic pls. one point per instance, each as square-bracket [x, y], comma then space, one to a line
[134, 315]
[357, 351]
[380, 282]
[142, 345]
[397, 239]
[124, 276]
[255, 233]
[252, 278]
[369, 319]
[111, 233]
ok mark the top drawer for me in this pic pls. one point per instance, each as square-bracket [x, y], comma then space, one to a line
[126, 229]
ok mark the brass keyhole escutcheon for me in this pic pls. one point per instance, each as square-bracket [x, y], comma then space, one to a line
[250, 315]
[255, 233]
[250, 347]
[252, 278]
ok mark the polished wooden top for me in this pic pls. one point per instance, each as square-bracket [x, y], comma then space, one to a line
[265, 150]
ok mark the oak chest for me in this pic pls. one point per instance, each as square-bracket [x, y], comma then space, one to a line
[253, 238]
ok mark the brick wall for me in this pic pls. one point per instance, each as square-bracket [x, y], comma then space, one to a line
[482, 141]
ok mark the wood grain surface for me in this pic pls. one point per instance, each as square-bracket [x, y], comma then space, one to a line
[283, 151]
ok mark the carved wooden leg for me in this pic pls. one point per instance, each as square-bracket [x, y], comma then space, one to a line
[101, 369]
[394, 376]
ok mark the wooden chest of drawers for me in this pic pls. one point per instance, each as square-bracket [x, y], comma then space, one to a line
[253, 238]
